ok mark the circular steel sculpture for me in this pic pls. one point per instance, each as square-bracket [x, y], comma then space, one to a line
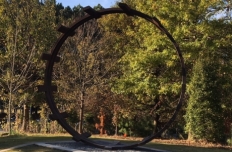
[52, 58]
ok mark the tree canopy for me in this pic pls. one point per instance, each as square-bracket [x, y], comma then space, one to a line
[122, 65]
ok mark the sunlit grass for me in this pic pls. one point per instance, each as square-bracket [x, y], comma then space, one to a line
[14, 140]
[33, 148]
[10, 141]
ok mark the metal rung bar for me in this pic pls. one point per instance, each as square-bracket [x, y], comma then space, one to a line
[76, 139]
[86, 135]
[126, 9]
[64, 29]
[42, 88]
[48, 57]
[89, 10]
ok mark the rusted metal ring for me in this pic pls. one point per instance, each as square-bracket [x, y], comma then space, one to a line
[52, 58]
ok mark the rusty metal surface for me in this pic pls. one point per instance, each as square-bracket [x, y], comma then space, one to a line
[52, 58]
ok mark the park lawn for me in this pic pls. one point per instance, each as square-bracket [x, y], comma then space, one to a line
[34, 148]
[14, 140]
[10, 141]
[173, 147]
[183, 148]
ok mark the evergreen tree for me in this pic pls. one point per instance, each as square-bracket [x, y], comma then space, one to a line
[204, 111]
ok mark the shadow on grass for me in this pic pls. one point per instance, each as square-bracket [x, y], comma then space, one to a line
[11, 141]
[185, 148]
[34, 148]
[172, 147]
[15, 140]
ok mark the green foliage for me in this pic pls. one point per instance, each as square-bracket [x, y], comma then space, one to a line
[73, 117]
[138, 127]
[150, 68]
[204, 111]
[67, 13]
[27, 32]
[124, 61]
[27, 23]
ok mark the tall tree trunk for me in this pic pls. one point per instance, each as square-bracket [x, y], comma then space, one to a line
[25, 125]
[116, 120]
[157, 116]
[156, 123]
[9, 110]
[190, 136]
[17, 120]
[116, 129]
[81, 113]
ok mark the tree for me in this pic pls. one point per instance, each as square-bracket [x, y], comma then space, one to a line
[209, 104]
[84, 68]
[24, 22]
[204, 111]
[150, 66]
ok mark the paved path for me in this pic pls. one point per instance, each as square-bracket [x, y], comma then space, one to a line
[62, 145]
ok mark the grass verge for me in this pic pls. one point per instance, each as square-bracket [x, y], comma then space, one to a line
[34, 148]
[10, 141]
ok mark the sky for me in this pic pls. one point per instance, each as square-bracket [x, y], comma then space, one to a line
[92, 3]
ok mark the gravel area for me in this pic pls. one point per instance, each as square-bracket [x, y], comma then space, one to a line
[73, 146]
[84, 147]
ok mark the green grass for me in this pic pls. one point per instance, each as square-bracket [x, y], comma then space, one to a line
[10, 141]
[182, 148]
[34, 148]
[174, 148]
